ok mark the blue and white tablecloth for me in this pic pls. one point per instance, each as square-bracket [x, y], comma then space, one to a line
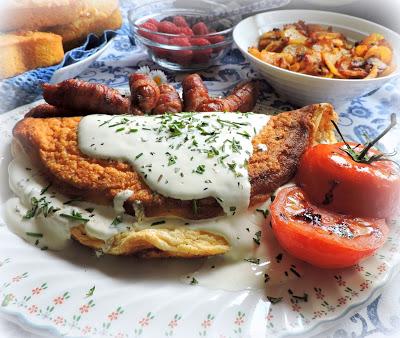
[364, 116]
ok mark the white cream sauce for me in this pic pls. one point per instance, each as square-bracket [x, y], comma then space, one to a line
[43, 217]
[186, 156]
[38, 212]
[120, 199]
[262, 264]
[50, 227]
[262, 147]
[239, 269]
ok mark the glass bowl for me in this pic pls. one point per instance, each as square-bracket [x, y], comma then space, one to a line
[174, 47]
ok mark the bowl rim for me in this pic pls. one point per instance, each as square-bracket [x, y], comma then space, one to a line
[395, 73]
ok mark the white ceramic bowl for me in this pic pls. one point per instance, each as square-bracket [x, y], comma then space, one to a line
[301, 89]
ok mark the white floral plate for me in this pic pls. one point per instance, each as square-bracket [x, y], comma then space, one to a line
[73, 293]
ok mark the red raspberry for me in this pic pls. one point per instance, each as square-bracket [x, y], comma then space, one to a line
[183, 57]
[149, 26]
[200, 28]
[216, 39]
[204, 55]
[160, 52]
[186, 31]
[180, 21]
[160, 39]
[180, 41]
[153, 21]
[168, 27]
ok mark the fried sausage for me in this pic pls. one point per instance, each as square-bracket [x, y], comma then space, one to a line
[81, 96]
[214, 104]
[144, 92]
[243, 98]
[169, 100]
[194, 92]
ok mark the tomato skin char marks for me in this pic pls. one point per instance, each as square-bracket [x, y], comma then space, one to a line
[320, 237]
[331, 178]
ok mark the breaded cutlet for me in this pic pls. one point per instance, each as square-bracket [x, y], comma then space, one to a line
[51, 144]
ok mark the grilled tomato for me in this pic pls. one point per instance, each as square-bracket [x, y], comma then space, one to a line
[320, 237]
[351, 179]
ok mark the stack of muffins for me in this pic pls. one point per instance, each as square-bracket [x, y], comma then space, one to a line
[36, 33]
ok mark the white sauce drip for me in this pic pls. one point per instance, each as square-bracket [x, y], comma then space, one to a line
[47, 228]
[120, 199]
[186, 156]
[262, 147]
[104, 222]
[230, 272]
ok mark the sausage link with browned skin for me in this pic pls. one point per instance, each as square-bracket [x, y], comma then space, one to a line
[144, 92]
[194, 92]
[243, 98]
[214, 104]
[169, 101]
[81, 96]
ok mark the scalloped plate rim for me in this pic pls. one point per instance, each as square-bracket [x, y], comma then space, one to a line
[23, 321]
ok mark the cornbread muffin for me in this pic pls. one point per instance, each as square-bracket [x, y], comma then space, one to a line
[75, 33]
[25, 50]
[27, 42]
[37, 14]
[34, 14]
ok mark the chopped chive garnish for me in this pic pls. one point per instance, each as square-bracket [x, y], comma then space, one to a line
[194, 281]
[77, 199]
[212, 152]
[40, 206]
[244, 134]
[91, 291]
[171, 159]
[253, 260]
[32, 212]
[157, 223]
[75, 216]
[200, 169]
[34, 234]
[117, 220]
[45, 189]
[274, 300]
[257, 237]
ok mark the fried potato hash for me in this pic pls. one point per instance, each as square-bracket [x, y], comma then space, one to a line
[314, 50]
